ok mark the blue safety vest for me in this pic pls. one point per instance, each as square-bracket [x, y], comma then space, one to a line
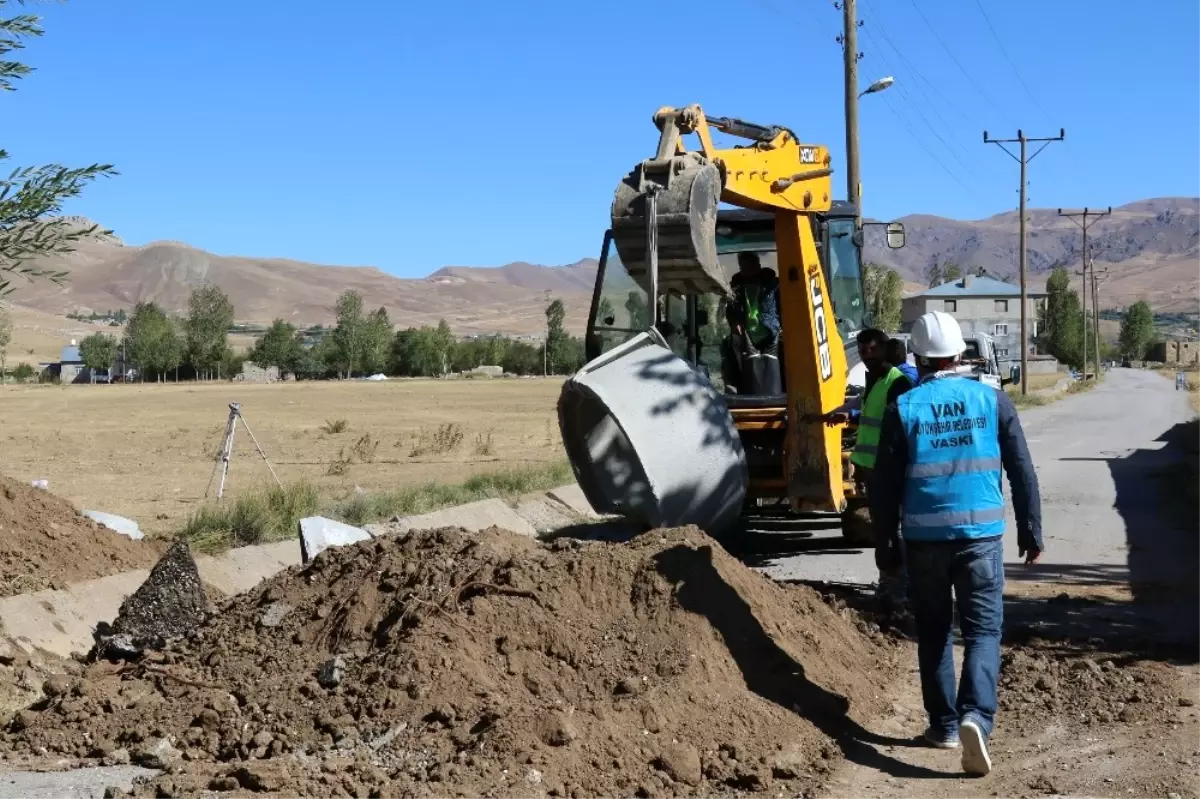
[952, 488]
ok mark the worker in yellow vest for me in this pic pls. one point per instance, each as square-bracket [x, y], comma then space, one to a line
[885, 383]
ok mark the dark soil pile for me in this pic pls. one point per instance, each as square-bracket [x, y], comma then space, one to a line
[46, 543]
[169, 605]
[444, 664]
[1088, 687]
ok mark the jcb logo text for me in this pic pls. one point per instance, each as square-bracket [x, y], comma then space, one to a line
[821, 325]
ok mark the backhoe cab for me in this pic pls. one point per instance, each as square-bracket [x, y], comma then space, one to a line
[668, 261]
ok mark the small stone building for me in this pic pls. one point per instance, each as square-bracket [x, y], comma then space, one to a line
[1176, 353]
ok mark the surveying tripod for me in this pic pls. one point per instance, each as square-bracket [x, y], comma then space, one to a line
[226, 451]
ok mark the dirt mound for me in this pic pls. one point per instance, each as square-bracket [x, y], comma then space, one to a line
[46, 543]
[443, 663]
[1090, 687]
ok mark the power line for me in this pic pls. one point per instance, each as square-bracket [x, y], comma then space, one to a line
[947, 100]
[1011, 64]
[916, 108]
[921, 142]
[961, 68]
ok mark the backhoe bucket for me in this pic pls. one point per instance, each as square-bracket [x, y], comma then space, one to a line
[688, 189]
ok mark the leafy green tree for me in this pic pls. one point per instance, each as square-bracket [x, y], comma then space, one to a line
[884, 289]
[377, 340]
[556, 336]
[522, 359]
[279, 346]
[423, 352]
[98, 351]
[152, 342]
[495, 351]
[443, 345]
[206, 330]
[316, 362]
[1061, 329]
[951, 271]
[232, 362]
[23, 372]
[1137, 331]
[31, 197]
[606, 315]
[638, 310]
[350, 334]
[934, 273]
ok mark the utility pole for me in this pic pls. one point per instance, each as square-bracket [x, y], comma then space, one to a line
[850, 56]
[1076, 217]
[1024, 160]
[1096, 313]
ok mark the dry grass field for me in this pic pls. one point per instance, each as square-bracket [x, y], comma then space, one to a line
[147, 451]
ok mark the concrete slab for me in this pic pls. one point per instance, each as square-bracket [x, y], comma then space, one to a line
[85, 783]
[243, 568]
[62, 622]
[572, 496]
[318, 533]
[473, 517]
[545, 514]
[118, 524]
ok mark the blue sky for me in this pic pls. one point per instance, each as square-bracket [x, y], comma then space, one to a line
[410, 135]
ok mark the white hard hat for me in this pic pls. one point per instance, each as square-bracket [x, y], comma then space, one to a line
[937, 335]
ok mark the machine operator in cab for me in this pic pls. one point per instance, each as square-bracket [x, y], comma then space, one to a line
[753, 317]
[938, 487]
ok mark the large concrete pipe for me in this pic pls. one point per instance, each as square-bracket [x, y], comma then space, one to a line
[650, 439]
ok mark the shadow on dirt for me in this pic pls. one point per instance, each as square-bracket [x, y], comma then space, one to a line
[1156, 500]
[768, 670]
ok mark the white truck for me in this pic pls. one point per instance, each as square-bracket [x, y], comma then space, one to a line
[979, 360]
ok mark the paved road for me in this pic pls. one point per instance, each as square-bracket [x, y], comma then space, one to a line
[1096, 454]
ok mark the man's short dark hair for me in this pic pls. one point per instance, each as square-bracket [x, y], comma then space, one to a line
[897, 350]
[871, 335]
[749, 257]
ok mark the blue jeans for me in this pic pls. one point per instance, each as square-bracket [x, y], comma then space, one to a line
[974, 571]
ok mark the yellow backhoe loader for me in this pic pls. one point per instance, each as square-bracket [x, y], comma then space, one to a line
[667, 263]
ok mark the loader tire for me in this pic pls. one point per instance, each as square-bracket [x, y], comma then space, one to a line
[856, 525]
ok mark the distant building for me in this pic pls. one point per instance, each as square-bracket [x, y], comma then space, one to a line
[1181, 353]
[70, 367]
[981, 305]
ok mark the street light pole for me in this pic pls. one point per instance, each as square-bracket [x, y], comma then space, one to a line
[850, 56]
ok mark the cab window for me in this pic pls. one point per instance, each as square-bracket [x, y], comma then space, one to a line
[621, 309]
[845, 276]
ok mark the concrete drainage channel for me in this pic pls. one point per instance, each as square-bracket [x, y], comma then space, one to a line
[62, 622]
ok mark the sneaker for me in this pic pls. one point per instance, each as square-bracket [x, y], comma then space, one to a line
[940, 740]
[975, 760]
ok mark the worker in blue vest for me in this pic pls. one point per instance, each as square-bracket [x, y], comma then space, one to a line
[938, 478]
[897, 355]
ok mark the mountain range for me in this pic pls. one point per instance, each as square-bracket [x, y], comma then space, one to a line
[1146, 250]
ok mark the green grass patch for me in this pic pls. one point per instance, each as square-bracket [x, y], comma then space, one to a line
[1044, 396]
[269, 514]
[254, 517]
[410, 500]
[1030, 400]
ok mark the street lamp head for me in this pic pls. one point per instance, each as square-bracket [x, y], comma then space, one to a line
[879, 85]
